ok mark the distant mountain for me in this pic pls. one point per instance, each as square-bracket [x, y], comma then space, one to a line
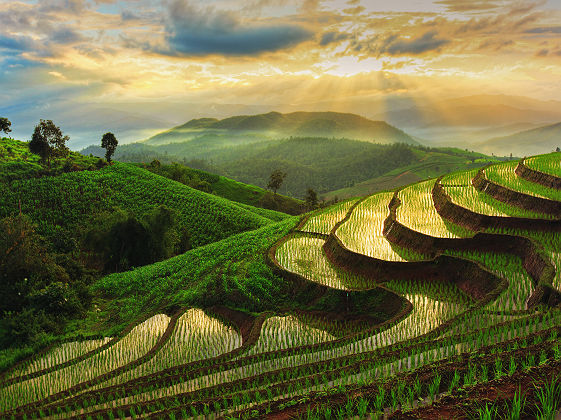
[525, 143]
[478, 111]
[295, 124]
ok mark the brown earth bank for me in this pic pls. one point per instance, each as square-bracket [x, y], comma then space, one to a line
[529, 174]
[501, 193]
[468, 219]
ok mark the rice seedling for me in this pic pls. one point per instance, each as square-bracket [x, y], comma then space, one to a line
[418, 213]
[324, 220]
[464, 194]
[549, 397]
[59, 354]
[363, 231]
[305, 256]
[287, 331]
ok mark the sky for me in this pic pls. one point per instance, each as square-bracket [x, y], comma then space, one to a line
[152, 64]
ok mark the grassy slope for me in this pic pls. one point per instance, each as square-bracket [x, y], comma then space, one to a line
[70, 199]
[16, 161]
[431, 164]
[249, 197]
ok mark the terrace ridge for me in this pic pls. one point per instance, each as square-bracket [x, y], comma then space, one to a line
[78, 359]
[537, 177]
[108, 375]
[515, 198]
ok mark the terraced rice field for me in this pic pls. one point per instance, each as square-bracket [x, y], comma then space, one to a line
[462, 316]
[363, 231]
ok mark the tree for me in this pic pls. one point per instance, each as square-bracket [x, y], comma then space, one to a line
[47, 141]
[276, 179]
[109, 143]
[311, 199]
[5, 125]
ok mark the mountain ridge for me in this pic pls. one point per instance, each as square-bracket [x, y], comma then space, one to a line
[277, 125]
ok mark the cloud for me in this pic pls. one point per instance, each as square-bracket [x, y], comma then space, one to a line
[545, 30]
[16, 43]
[469, 5]
[395, 45]
[66, 36]
[331, 37]
[200, 32]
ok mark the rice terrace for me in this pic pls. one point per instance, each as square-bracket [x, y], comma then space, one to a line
[295, 209]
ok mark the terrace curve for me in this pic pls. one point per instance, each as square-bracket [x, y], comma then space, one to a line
[515, 198]
[537, 177]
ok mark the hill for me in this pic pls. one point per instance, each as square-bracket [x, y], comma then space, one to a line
[432, 163]
[309, 162]
[230, 189]
[475, 111]
[72, 199]
[525, 143]
[277, 125]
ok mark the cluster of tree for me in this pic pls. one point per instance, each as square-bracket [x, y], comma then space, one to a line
[41, 286]
[48, 142]
[45, 279]
[122, 241]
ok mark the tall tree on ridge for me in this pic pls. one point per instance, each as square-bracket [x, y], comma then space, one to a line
[109, 143]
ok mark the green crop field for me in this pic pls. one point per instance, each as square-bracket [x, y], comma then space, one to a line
[435, 299]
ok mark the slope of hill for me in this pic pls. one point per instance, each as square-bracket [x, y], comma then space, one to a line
[251, 195]
[526, 143]
[432, 164]
[17, 162]
[68, 200]
[289, 320]
[475, 111]
[277, 125]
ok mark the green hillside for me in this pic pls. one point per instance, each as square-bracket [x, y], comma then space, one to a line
[277, 125]
[431, 164]
[254, 198]
[309, 163]
[71, 199]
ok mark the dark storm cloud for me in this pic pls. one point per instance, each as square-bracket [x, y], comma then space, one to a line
[199, 32]
[65, 36]
[395, 45]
